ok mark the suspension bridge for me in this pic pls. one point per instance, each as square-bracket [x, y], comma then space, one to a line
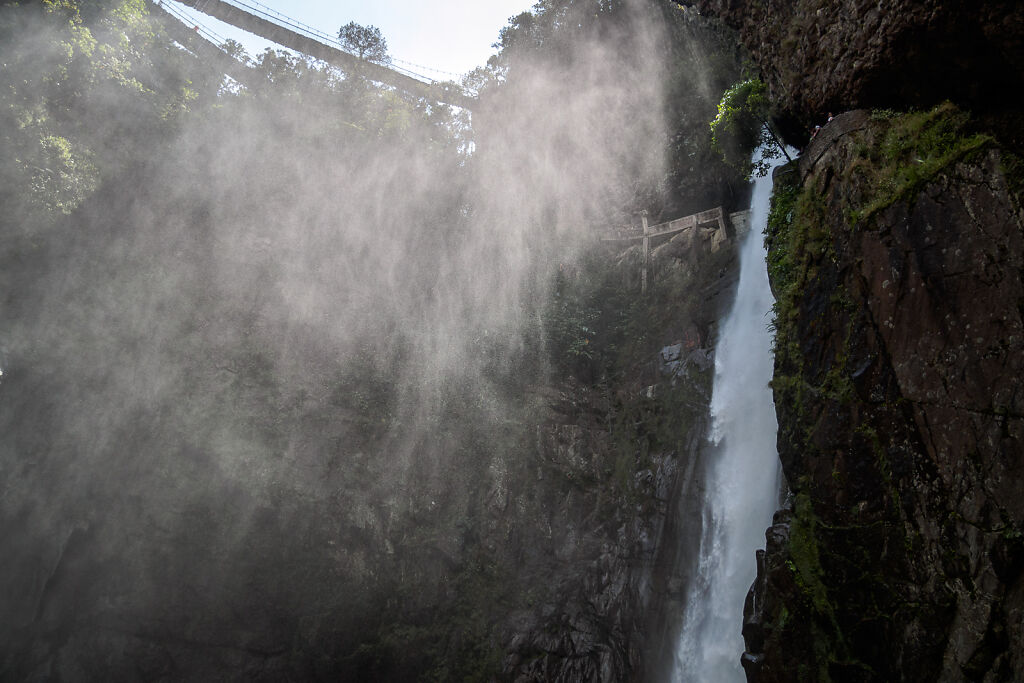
[260, 20]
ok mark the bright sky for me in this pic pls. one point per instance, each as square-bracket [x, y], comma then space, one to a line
[454, 36]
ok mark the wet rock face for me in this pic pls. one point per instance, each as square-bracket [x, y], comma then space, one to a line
[901, 423]
[603, 565]
[834, 56]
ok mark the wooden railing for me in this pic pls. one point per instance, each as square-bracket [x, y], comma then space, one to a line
[647, 232]
[715, 215]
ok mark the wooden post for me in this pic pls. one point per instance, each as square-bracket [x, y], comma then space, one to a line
[647, 253]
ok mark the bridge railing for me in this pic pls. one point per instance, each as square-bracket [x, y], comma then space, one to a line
[289, 33]
[301, 28]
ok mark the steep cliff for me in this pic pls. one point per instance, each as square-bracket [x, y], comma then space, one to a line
[616, 468]
[896, 253]
[534, 540]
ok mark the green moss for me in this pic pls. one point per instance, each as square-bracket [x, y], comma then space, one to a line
[809, 576]
[914, 149]
[796, 233]
[883, 114]
[1012, 167]
[904, 152]
[781, 262]
[799, 245]
[640, 425]
[805, 557]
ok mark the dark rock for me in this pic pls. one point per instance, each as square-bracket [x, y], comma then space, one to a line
[819, 57]
[899, 396]
[751, 665]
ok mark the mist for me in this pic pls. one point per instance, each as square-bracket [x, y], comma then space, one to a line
[269, 378]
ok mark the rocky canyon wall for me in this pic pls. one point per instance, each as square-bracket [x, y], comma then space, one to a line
[898, 353]
[896, 249]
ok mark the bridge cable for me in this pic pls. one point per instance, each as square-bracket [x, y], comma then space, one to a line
[189, 20]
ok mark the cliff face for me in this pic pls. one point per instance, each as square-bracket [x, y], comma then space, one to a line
[819, 56]
[533, 537]
[896, 255]
[615, 474]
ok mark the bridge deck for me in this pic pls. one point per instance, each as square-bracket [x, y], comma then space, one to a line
[204, 48]
[286, 37]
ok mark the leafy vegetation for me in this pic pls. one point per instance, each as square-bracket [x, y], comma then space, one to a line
[64, 100]
[742, 125]
[911, 150]
[365, 41]
[700, 63]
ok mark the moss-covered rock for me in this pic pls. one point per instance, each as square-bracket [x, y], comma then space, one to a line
[895, 253]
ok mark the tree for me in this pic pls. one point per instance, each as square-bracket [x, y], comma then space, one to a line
[366, 41]
[236, 50]
[742, 125]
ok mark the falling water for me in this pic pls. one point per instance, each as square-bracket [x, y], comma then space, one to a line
[743, 474]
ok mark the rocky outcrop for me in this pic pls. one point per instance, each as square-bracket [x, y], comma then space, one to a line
[605, 572]
[835, 56]
[896, 254]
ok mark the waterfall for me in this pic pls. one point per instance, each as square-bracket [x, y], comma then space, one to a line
[743, 475]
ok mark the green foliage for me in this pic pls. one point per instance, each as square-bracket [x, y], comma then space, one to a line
[553, 30]
[569, 324]
[812, 581]
[62, 175]
[911, 149]
[365, 41]
[741, 126]
[741, 110]
[782, 263]
[806, 563]
[78, 77]
[179, 105]
[795, 234]
[114, 96]
[891, 161]
[236, 51]
[1012, 166]
[292, 75]
[622, 333]
[554, 38]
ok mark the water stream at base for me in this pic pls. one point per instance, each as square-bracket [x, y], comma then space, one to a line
[743, 473]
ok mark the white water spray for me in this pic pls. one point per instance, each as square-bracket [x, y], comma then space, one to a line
[743, 473]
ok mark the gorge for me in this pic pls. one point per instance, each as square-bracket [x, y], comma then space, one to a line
[305, 377]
